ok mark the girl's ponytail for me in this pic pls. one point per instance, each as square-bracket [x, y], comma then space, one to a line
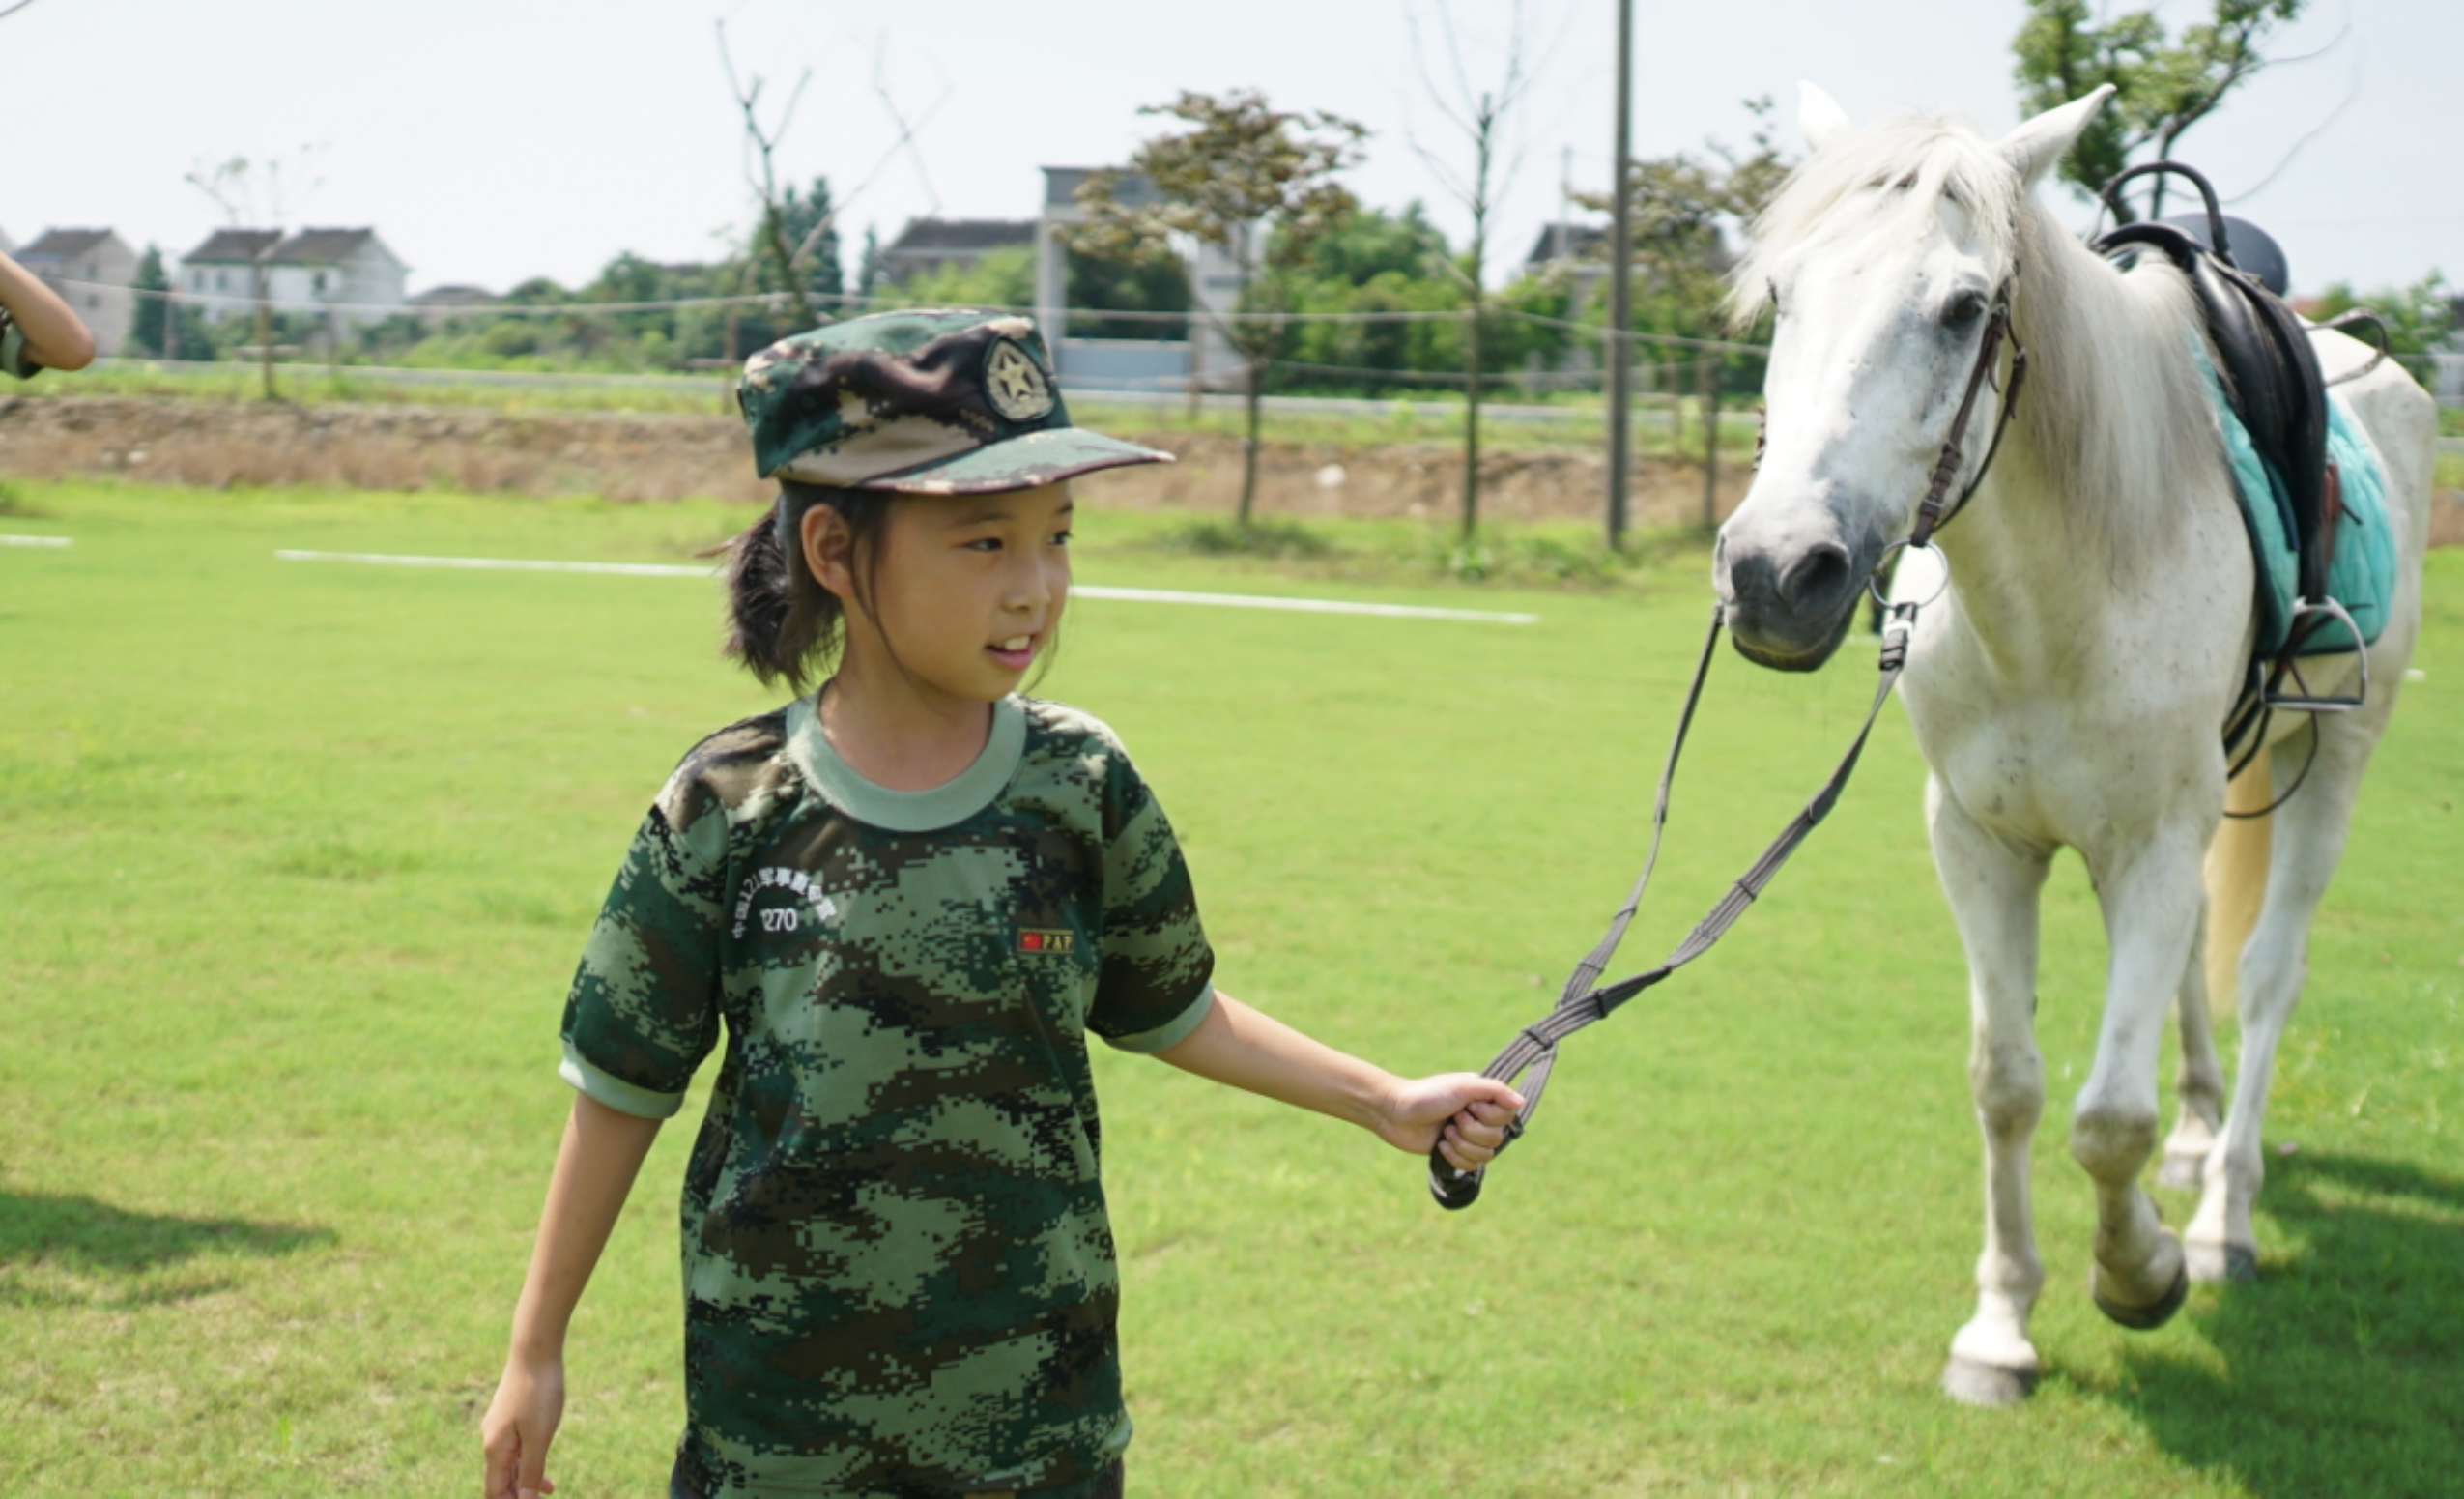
[782, 625]
[760, 595]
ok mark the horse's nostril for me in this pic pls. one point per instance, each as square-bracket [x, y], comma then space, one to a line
[1817, 578]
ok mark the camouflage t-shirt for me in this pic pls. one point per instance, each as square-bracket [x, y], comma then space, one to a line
[899, 1274]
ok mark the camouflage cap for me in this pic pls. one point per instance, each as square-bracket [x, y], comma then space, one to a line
[931, 401]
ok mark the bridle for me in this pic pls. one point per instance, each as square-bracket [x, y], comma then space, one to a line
[1585, 1000]
[1931, 514]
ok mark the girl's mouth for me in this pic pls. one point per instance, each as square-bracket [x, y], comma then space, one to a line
[1016, 653]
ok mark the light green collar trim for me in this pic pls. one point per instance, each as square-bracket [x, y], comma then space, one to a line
[909, 812]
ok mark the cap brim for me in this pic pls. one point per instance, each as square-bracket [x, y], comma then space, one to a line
[1021, 462]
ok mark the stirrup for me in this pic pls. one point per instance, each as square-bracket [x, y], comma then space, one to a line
[2297, 697]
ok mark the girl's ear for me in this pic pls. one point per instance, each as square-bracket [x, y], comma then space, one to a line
[829, 550]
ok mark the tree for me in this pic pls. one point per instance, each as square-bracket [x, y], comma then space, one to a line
[254, 194]
[2162, 87]
[1681, 207]
[809, 221]
[1257, 184]
[2419, 319]
[867, 265]
[1684, 205]
[796, 238]
[1378, 264]
[150, 328]
[1484, 119]
[1003, 278]
[1134, 286]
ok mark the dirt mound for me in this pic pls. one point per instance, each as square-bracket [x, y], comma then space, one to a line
[473, 449]
[646, 457]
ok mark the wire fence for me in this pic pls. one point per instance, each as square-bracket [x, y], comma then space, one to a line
[779, 304]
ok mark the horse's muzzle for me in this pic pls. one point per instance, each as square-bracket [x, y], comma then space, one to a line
[1790, 610]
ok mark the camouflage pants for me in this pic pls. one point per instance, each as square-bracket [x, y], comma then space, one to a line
[1110, 1484]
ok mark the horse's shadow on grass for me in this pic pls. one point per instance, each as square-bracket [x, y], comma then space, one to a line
[72, 1250]
[2343, 1368]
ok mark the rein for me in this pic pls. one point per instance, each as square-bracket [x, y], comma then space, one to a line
[1586, 1001]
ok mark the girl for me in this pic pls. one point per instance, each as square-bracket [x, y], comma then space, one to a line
[909, 897]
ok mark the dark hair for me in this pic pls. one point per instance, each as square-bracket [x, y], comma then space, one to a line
[782, 625]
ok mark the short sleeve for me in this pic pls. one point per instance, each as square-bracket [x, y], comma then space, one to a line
[645, 1006]
[1156, 980]
[14, 358]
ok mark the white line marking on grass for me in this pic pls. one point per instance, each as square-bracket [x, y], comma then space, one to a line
[501, 563]
[1302, 605]
[1086, 591]
[35, 541]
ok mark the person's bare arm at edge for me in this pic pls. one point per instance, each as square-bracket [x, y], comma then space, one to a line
[1460, 1112]
[596, 1166]
[54, 338]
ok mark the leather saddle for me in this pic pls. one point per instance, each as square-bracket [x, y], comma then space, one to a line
[2263, 351]
[2272, 378]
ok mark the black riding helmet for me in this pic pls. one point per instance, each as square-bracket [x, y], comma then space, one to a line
[2254, 252]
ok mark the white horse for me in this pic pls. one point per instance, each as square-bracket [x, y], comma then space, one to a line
[2072, 685]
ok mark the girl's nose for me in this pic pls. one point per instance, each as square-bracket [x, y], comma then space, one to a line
[1033, 584]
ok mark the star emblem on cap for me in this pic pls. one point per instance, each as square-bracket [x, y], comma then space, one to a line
[1014, 383]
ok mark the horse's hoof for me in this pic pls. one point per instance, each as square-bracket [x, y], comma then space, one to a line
[2156, 1314]
[2221, 1264]
[1975, 1382]
[2186, 1172]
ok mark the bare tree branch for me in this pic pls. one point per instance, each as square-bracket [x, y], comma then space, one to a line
[1482, 118]
[2351, 93]
[761, 145]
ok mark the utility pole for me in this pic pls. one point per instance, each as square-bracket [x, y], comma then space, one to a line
[1615, 348]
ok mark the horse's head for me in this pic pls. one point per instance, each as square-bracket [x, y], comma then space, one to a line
[1882, 259]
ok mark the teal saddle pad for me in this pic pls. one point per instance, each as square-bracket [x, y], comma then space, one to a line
[2363, 575]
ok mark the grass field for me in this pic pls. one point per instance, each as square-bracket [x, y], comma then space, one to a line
[296, 859]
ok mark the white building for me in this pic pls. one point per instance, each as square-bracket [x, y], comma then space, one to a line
[220, 274]
[1161, 364]
[92, 271]
[930, 244]
[348, 274]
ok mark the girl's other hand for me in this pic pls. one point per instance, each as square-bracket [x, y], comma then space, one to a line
[1462, 1114]
[519, 1425]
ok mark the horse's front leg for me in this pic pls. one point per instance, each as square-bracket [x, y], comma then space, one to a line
[2152, 899]
[1992, 886]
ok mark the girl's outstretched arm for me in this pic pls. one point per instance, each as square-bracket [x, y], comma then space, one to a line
[53, 335]
[1461, 1113]
[596, 1166]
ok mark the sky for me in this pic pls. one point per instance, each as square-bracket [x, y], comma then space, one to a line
[491, 142]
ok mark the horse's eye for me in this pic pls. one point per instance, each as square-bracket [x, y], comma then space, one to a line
[1965, 309]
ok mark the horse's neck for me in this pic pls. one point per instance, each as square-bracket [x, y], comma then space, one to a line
[2107, 469]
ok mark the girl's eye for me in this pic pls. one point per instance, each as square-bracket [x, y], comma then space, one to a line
[1061, 538]
[984, 544]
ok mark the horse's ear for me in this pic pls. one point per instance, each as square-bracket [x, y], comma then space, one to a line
[1820, 119]
[2034, 147]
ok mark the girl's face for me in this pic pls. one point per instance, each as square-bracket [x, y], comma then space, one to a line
[964, 594]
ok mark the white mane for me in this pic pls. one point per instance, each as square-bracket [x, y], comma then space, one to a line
[2113, 405]
[1926, 157]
